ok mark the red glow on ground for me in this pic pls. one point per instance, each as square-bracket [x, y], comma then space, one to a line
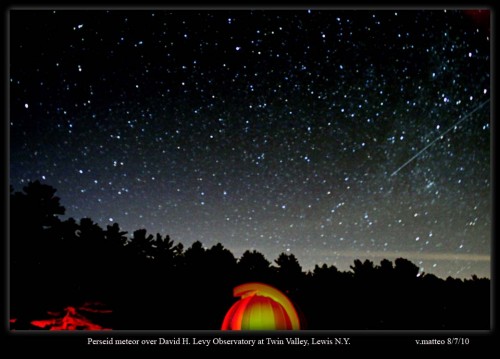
[70, 319]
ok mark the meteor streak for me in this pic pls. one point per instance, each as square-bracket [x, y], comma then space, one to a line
[440, 136]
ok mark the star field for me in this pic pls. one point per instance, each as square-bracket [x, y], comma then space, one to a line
[275, 130]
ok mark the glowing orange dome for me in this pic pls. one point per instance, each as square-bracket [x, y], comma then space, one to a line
[261, 307]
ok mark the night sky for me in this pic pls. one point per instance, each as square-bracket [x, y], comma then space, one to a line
[330, 134]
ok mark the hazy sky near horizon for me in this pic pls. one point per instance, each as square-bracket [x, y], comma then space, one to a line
[329, 134]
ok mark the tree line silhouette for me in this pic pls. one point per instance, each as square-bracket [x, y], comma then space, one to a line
[150, 282]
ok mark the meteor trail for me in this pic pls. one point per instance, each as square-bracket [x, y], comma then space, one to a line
[440, 136]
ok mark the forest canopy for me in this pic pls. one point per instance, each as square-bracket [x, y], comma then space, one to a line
[151, 282]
